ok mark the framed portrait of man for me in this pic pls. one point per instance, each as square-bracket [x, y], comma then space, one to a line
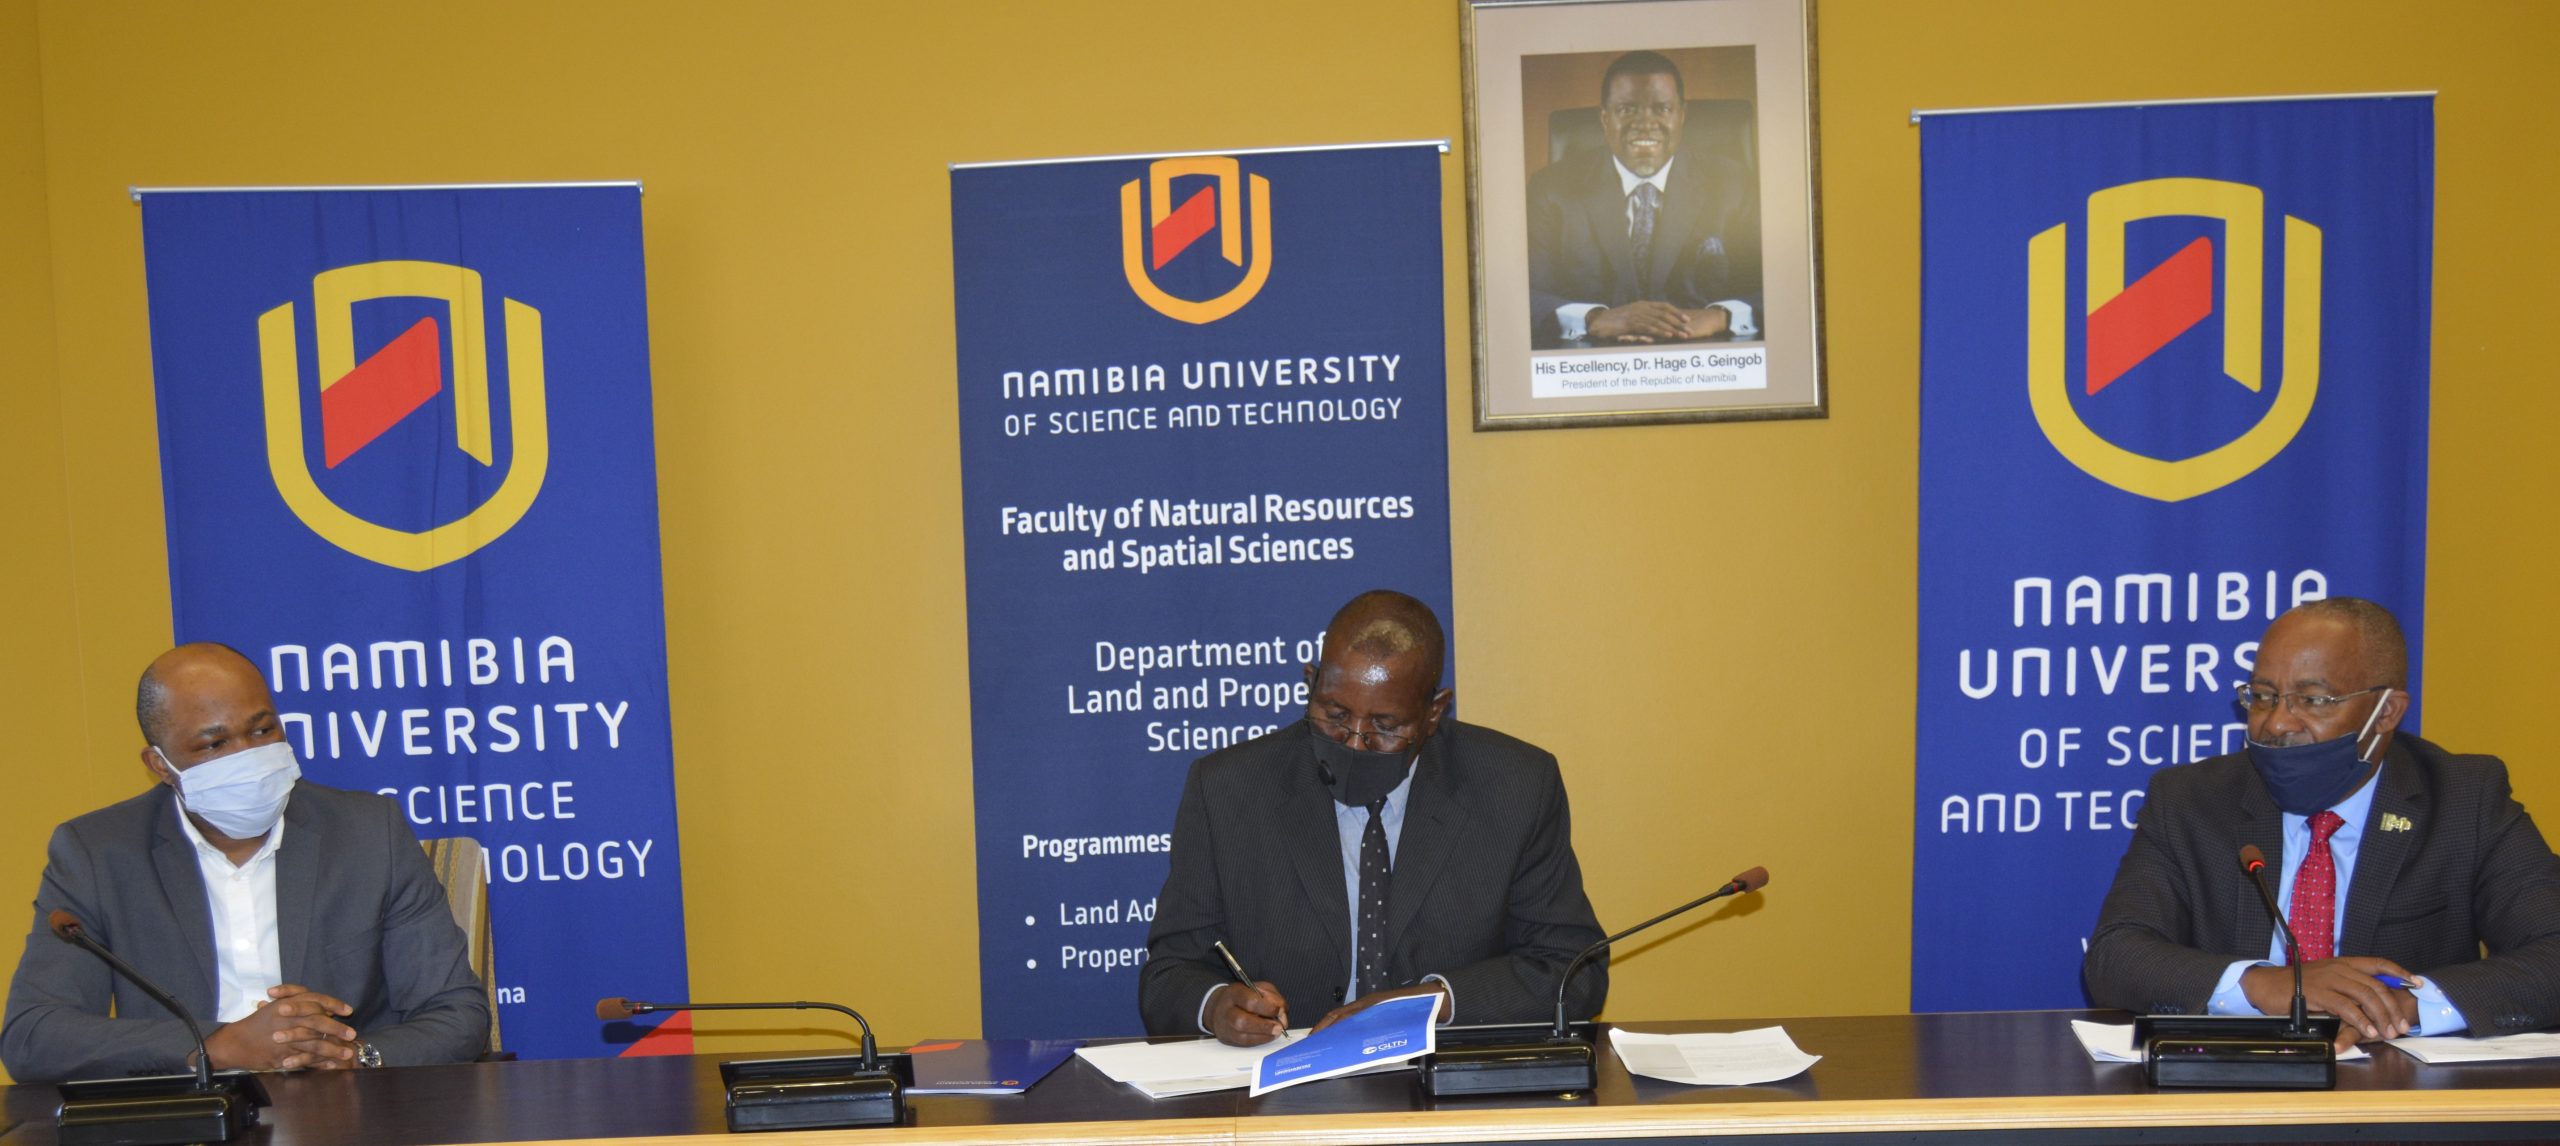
[1643, 211]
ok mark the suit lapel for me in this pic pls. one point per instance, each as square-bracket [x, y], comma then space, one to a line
[1314, 844]
[173, 857]
[1605, 212]
[2381, 854]
[2261, 823]
[1433, 818]
[297, 887]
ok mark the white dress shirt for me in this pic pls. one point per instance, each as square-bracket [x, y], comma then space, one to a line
[246, 955]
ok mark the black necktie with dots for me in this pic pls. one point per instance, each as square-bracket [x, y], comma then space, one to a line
[1373, 901]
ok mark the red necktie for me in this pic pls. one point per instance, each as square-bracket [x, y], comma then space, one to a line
[2315, 892]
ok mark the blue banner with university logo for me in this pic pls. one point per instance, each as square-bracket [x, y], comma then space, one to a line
[408, 467]
[1202, 404]
[2174, 368]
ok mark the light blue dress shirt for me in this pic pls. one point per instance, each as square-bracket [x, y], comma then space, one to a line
[2436, 1014]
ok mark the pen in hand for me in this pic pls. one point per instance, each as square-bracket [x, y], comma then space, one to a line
[2397, 983]
[1236, 969]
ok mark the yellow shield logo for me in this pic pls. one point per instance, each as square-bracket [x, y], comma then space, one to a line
[2240, 208]
[1170, 230]
[361, 399]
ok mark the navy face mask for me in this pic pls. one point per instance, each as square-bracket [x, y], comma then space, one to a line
[1357, 778]
[2307, 779]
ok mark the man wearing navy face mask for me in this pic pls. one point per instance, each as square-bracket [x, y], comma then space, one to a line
[2400, 860]
[1377, 849]
[301, 925]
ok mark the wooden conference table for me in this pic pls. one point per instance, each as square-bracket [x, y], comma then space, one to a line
[2004, 1077]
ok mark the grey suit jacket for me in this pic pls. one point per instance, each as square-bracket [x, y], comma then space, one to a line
[2468, 869]
[359, 915]
[1486, 891]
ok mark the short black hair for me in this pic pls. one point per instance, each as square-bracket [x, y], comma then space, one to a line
[2386, 649]
[1383, 623]
[151, 695]
[1642, 64]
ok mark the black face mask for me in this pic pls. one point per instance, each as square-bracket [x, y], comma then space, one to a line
[1357, 778]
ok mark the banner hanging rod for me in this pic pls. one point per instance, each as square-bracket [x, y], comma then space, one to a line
[1917, 113]
[136, 193]
[1441, 144]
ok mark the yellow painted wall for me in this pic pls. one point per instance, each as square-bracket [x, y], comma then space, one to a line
[798, 236]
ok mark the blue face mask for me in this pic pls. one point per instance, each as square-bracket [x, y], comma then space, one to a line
[2307, 779]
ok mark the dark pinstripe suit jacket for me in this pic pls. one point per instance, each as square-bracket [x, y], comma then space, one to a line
[2468, 870]
[1486, 891]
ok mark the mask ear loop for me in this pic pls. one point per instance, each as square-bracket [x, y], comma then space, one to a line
[2370, 717]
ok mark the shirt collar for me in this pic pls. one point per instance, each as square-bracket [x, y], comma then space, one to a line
[1627, 180]
[2353, 809]
[204, 847]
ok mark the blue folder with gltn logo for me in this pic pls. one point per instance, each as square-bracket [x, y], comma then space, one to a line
[1392, 1031]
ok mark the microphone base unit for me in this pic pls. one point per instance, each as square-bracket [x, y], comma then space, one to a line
[2241, 1052]
[816, 1093]
[166, 1110]
[1524, 1058]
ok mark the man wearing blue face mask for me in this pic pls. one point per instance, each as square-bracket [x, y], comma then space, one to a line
[1374, 850]
[301, 925]
[2401, 861]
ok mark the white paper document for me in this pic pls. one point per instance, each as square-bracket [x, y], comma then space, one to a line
[2503, 1048]
[2113, 1042]
[1196, 1066]
[1740, 1058]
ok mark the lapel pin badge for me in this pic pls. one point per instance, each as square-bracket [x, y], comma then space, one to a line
[2392, 822]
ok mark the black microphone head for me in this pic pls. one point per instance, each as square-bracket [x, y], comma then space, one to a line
[65, 925]
[1750, 881]
[611, 1009]
[2251, 859]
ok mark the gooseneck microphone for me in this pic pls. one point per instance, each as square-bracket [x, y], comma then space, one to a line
[66, 927]
[1531, 1057]
[804, 1093]
[153, 1111]
[1752, 880]
[618, 1008]
[2254, 862]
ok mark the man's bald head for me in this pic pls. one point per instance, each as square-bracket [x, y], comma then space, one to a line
[2381, 652]
[1385, 625]
[184, 668]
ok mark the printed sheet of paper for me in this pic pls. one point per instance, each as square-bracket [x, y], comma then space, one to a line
[1741, 1058]
[2503, 1048]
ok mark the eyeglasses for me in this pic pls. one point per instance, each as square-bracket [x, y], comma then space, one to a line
[1626, 112]
[1378, 739]
[2260, 698]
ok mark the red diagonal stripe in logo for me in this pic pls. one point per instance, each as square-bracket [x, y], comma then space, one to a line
[2166, 303]
[1185, 226]
[380, 391]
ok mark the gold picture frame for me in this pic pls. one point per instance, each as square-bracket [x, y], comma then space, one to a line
[1598, 302]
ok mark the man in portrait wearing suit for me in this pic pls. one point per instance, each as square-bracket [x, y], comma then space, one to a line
[1375, 850]
[2399, 859]
[301, 925]
[1646, 243]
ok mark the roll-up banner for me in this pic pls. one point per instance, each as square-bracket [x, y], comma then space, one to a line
[1202, 404]
[408, 467]
[2173, 382]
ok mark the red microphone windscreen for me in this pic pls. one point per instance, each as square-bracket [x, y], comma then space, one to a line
[1753, 880]
[64, 924]
[2251, 858]
[610, 1009]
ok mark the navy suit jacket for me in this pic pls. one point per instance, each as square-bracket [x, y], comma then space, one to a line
[1706, 244]
[2468, 869]
[1486, 891]
[359, 916]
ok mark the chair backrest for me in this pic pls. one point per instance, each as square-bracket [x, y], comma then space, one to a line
[1712, 127]
[462, 867]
